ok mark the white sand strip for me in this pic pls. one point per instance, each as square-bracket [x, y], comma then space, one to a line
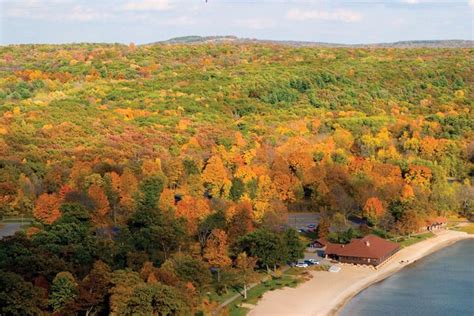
[326, 293]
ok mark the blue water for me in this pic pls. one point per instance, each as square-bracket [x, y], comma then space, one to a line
[440, 284]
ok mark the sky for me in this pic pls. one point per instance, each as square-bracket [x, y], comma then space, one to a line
[145, 21]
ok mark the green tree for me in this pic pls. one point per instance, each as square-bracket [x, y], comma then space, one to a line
[156, 299]
[237, 189]
[124, 283]
[156, 233]
[149, 192]
[18, 297]
[267, 246]
[192, 270]
[294, 245]
[64, 291]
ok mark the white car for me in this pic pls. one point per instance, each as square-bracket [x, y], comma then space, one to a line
[312, 261]
[301, 265]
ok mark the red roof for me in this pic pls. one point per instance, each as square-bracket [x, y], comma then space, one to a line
[370, 246]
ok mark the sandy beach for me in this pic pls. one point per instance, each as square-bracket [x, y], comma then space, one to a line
[326, 293]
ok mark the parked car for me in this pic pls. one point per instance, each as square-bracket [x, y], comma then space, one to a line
[311, 226]
[312, 262]
[302, 230]
[301, 265]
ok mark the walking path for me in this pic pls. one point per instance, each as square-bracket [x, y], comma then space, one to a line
[238, 295]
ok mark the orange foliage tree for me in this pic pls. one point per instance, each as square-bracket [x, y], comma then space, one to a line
[373, 208]
[407, 192]
[192, 209]
[409, 223]
[241, 220]
[419, 175]
[47, 208]
[97, 194]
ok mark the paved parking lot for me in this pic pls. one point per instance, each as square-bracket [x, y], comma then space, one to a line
[9, 229]
[302, 220]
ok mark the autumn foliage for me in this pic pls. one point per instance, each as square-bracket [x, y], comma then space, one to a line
[373, 208]
[167, 164]
[217, 253]
[47, 208]
[192, 210]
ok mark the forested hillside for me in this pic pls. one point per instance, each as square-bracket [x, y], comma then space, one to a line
[143, 166]
[237, 40]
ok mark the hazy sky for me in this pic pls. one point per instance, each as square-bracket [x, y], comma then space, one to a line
[142, 21]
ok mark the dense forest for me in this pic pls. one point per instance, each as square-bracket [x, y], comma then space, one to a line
[158, 174]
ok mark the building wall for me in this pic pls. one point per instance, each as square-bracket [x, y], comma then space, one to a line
[362, 260]
[359, 260]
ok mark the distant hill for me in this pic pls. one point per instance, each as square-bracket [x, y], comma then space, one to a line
[402, 44]
[433, 44]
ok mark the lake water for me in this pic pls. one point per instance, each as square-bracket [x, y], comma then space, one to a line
[440, 284]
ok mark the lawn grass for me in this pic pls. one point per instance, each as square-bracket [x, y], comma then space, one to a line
[239, 311]
[293, 271]
[215, 297]
[408, 241]
[468, 228]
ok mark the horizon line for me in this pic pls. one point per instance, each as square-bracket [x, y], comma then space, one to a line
[242, 39]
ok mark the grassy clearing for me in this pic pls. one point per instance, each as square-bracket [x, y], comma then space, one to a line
[408, 241]
[468, 228]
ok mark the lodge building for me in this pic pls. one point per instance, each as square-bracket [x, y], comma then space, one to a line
[370, 250]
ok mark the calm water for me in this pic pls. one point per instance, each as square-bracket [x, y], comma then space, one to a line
[440, 284]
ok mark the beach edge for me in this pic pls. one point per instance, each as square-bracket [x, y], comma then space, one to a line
[340, 304]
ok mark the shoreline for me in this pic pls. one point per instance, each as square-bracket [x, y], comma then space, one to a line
[335, 311]
[327, 293]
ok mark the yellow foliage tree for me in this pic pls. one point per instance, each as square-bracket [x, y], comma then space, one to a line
[215, 177]
[216, 252]
[128, 187]
[151, 167]
[167, 201]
